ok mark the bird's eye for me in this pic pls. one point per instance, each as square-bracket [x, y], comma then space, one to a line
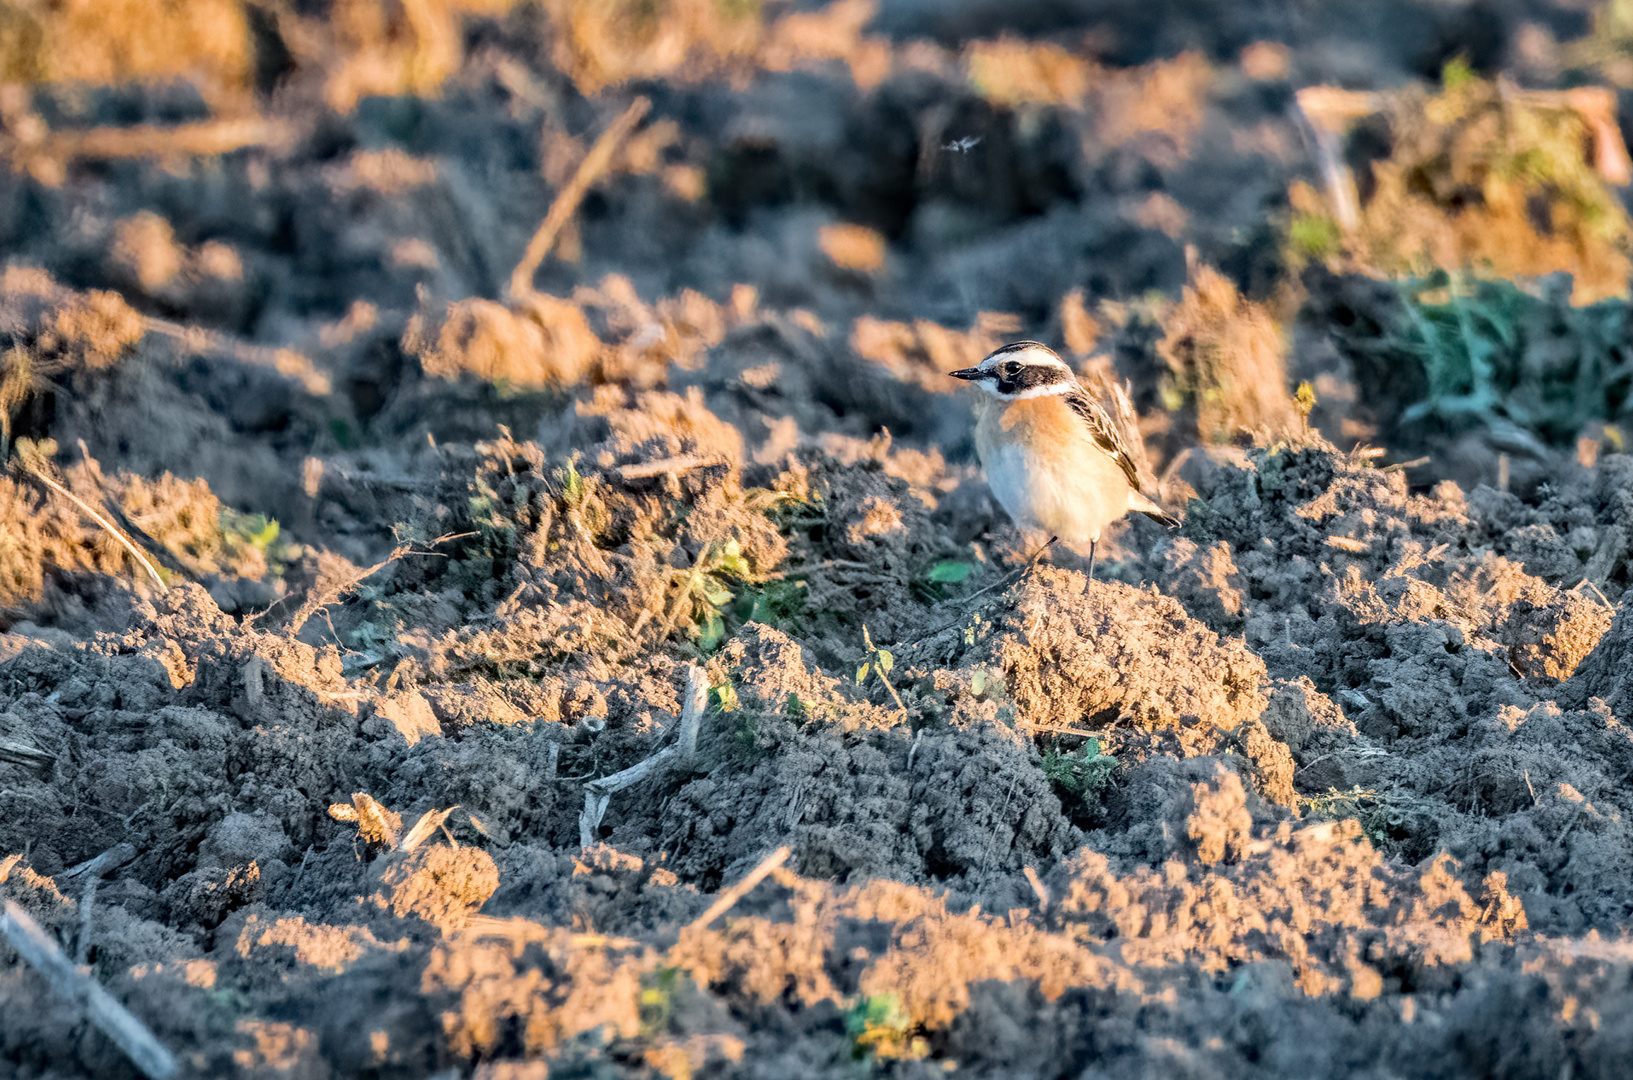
[1011, 368]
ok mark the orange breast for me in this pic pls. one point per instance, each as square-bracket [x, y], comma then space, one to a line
[1042, 422]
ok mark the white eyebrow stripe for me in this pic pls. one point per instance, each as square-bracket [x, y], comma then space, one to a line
[1063, 387]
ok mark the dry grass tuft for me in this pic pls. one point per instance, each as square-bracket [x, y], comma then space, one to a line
[603, 334]
[111, 41]
[383, 47]
[1482, 176]
[833, 32]
[546, 344]
[1012, 73]
[922, 352]
[1225, 362]
[603, 42]
[853, 247]
[1165, 99]
[47, 330]
[41, 533]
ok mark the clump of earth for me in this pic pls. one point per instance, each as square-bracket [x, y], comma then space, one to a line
[406, 663]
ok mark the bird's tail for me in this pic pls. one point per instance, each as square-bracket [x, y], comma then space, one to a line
[1137, 501]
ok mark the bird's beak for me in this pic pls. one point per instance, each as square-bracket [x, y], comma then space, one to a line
[968, 374]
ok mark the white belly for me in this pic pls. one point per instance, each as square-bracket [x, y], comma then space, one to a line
[1074, 502]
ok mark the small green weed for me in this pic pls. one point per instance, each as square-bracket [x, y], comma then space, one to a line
[882, 658]
[706, 590]
[571, 484]
[1478, 175]
[1490, 352]
[751, 739]
[723, 698]
[256, 531]
[779, 603]
[1304, 403]
[879, 1027]
[934, 584]
[1083, 772]
[1455, 74]
[1313, 237]
[981, 679]
[496, 529]
[879, 661]
[794, 513]
[655, 1006]
[1383, 817]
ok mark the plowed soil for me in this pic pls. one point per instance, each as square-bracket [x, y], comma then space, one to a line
[1334, 780]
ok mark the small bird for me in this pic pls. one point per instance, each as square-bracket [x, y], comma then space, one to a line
[1053, 458]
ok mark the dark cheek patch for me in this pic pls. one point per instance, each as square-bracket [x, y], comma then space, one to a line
[1028, 378]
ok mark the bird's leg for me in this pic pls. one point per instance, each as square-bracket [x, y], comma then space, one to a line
[1092, 545]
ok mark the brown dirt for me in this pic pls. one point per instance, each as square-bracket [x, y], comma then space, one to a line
[1332, 781]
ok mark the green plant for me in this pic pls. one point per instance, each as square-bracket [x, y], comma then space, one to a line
[1313, 236]
[1382, 816]
[879, 661]
[879, 1026]
[1535, 146]
[571, 484]
[779, 603]
[705, 590]
[933, 585]
[496, 530]
[1456, 74]
[723, 698]
[1080, 773]
[1490, 352]
[240, 531]
[655, 1005]
[1304, 402]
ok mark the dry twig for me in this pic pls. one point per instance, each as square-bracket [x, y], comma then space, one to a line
[425, 828]
[78, 988]
[29, 757]
[1036, 882]
[691, 713]
[566, 202]
[113, 530]
[109, 860]
[728, 899]
[598, 793]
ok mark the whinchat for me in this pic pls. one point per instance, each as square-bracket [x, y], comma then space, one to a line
[1053, 458]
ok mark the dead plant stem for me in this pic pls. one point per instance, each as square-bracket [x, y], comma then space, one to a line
[113, 530]
[566, 202]
[79, 989]
[728, 899]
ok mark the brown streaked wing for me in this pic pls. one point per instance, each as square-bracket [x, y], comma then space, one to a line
[1104, 433]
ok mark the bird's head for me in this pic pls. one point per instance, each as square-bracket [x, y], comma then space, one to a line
[1025, 369]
